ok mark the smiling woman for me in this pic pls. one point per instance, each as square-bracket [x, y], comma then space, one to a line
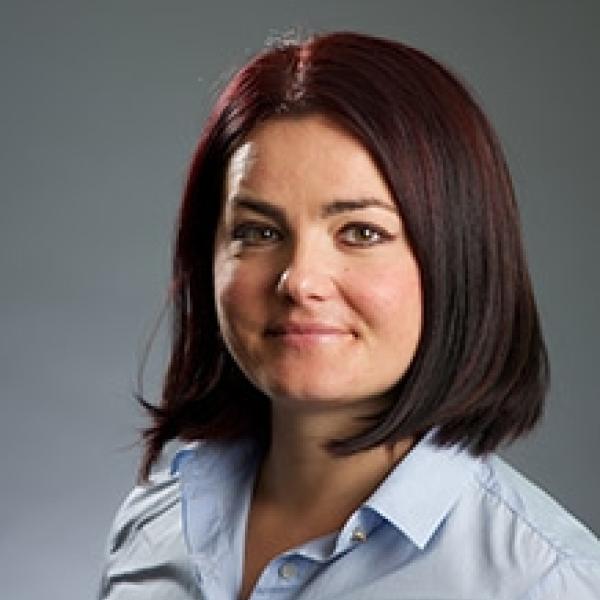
[354, 335]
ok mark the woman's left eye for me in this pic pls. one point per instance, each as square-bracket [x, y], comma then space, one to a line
[363, 234]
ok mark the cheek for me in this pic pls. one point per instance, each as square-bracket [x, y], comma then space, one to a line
[238, 289]
[389, 296]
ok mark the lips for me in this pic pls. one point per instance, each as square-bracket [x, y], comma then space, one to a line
[307, 335]
[305, 329]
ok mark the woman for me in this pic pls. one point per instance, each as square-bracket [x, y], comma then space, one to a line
[354, 335]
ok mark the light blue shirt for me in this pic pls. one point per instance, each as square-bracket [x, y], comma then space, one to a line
[442, 526]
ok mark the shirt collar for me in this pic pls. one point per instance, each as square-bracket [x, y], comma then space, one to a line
[215, 461]
[415, 497]
[422, 489]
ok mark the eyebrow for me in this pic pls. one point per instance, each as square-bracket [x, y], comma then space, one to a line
[338, 206]
[327, 210]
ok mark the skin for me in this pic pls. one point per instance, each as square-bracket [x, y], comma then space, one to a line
[313, 264]
[319, 301]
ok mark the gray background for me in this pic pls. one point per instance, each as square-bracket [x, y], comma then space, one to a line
[101, 106]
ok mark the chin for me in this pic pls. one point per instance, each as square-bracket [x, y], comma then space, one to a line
[303, 394]
[326, 395]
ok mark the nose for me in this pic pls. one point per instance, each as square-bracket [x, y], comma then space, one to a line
[308, 275]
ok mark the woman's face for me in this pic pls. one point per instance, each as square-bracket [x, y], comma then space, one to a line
[317, 290]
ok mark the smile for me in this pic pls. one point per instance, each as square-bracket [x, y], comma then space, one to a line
[308, 334]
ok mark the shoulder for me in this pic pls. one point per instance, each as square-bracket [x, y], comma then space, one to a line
[155, 501]
[529, 534]
[523, 504]
[146, 544]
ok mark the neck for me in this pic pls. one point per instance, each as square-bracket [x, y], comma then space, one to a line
[300, 476]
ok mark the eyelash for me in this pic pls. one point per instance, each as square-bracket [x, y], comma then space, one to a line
[259, 234]
[244, 230]
[381, 234]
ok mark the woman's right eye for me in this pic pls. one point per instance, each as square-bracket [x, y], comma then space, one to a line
[255, 234]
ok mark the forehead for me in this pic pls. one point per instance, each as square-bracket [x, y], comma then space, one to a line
[311, 153]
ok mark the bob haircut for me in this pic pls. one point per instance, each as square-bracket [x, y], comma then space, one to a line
[480, 372]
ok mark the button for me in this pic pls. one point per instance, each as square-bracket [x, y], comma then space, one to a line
[358, 535]
[288, 570]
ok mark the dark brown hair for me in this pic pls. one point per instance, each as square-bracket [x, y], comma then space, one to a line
[480, 372]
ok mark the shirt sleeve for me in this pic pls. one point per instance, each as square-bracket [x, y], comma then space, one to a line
[569, 580]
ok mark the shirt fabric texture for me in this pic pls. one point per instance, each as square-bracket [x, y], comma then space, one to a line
[442, 526]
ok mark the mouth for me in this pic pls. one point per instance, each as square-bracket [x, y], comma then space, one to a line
[306, 334]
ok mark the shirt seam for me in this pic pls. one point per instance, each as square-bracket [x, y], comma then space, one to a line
[561, 553]
[561, 562]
